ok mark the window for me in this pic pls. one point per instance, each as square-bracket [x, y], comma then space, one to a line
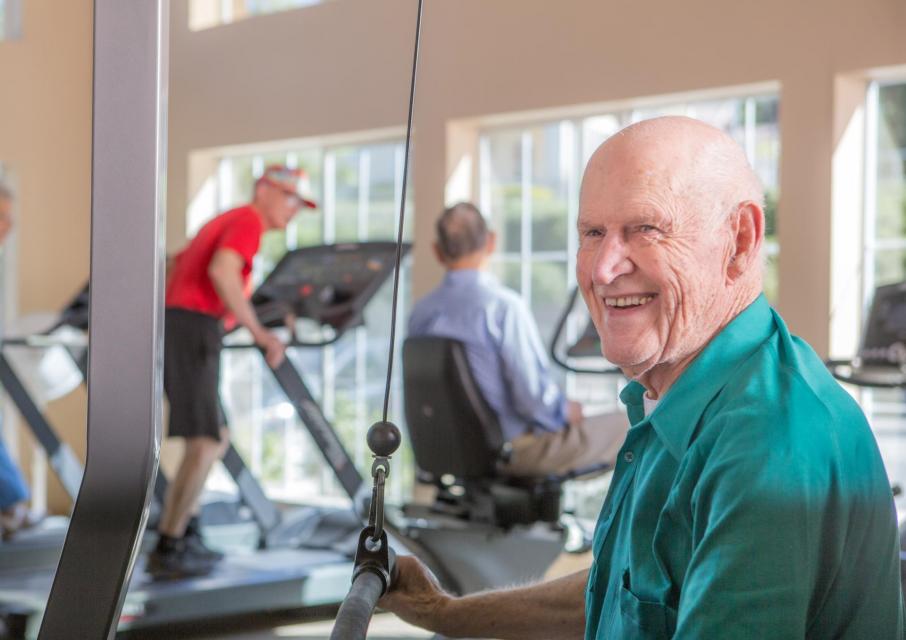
[204, 14]
[358, 188]
[10, 19]
[885, 247]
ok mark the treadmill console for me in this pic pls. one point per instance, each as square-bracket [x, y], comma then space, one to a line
[330, 284]
[75, 313]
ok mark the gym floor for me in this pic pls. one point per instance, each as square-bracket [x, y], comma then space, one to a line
[384, 626]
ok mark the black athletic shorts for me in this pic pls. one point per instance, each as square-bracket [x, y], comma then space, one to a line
[192, 344]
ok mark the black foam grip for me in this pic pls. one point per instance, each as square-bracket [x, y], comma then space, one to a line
[355, 612]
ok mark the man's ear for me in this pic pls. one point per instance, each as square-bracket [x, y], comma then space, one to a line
[491, 245]
[747, 229]
[438, 253]
[258, 194]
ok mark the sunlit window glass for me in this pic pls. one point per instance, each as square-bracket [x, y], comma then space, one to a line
[204, 14]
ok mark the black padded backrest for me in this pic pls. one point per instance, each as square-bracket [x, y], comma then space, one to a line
[452, 428]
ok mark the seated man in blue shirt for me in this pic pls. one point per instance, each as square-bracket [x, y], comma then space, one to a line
[548, 433]
[749, 499]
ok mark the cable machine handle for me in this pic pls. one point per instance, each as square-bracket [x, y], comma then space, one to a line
[375, 569]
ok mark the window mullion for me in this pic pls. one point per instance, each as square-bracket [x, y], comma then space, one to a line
[364, 193]
[330, 196]
[526, 220]
[399, 160]
[870, 202]
[291, 237]
[749, 113]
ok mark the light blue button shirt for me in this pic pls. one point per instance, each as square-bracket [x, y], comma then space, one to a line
[503, 348]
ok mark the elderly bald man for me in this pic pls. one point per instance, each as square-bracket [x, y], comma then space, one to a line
[749, 498]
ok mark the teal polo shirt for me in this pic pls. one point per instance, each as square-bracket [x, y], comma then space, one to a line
[751, 503]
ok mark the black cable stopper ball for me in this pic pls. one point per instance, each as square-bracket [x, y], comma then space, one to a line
[384, 438]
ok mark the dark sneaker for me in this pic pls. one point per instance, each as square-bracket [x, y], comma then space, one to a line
[179, 562]
[195, 543]
[17, 518]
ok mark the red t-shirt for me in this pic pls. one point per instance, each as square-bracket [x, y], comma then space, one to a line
[189, 286]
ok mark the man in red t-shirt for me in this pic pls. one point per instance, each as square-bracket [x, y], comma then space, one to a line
[208, 281]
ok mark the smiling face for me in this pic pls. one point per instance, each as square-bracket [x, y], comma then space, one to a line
[654, 249]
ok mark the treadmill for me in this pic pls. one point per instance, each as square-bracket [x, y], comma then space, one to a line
[41, 545]
[303, 559]
[60, 343]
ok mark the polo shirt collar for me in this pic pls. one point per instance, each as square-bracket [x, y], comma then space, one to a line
[677, 414]
[465, 276]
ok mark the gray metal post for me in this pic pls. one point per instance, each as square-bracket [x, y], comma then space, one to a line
[126, 310]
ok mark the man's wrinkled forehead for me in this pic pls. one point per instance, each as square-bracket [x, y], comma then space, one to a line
[616, 176]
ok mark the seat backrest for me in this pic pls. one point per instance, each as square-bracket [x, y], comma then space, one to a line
[452, 427]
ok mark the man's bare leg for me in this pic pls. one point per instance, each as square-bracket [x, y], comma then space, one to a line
[183, 493]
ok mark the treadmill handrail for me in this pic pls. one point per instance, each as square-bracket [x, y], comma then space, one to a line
[62, 459]
[834, 367]
[292, 343]
[558, 331]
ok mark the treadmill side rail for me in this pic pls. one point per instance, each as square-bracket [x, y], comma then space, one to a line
[62, 459]
[323, 434]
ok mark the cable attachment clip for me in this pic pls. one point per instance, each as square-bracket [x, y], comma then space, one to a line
[383, 440]
[374, 555]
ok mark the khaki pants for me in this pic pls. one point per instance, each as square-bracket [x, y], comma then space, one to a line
[596, 440]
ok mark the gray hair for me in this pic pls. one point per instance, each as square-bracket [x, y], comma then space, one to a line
[6, 193]
[461, 230]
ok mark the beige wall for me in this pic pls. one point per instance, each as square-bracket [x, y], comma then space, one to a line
[45, 137]
[344, 66]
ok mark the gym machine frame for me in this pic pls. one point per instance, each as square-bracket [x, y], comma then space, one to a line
[125, 346]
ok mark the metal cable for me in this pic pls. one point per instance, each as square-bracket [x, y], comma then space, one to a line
[402, 217]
